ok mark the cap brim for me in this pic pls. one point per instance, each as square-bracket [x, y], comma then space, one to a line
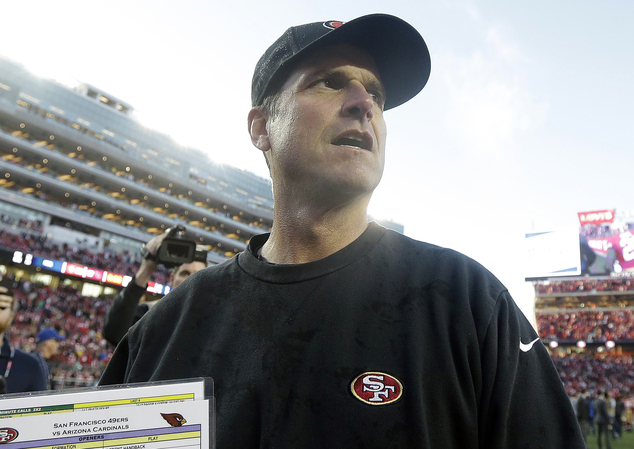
[398, 49]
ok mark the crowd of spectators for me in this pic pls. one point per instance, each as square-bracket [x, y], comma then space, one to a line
[587, 325]
[123, 263]
[22, 223]
[83, 353]
[605, 229]
[586, 285]
[613, 374]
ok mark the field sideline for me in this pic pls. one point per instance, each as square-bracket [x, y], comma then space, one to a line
[626, 442]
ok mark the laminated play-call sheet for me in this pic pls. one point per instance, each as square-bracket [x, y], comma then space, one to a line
[139, 416]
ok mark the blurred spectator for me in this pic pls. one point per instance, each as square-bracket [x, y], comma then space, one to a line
[19, 371]
[619, 409]
[47, 345]
[583, 414]
[602, 418]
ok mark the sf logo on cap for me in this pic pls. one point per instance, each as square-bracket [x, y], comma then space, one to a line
[332, 24]
[376, 388]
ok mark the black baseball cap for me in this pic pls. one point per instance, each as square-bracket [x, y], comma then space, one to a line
[398, 50]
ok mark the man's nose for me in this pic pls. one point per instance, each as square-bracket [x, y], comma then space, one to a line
[358, 103]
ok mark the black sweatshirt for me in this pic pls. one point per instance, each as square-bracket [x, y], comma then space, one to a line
[387, 343]
[124, 312]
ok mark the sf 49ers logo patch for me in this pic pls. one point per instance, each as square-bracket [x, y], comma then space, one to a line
[7, 434]
[377, 388]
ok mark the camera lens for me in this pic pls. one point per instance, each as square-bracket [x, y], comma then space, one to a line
[177, 251]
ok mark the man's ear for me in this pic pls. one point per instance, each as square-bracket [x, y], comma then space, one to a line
[257, 129]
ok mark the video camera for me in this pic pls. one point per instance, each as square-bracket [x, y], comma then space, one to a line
[176, 249]
[8, 283]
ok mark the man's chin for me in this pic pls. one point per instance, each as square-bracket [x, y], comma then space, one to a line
[350, 188]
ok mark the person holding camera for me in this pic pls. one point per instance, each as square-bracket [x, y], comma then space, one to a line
[127, 308]
[19, 372]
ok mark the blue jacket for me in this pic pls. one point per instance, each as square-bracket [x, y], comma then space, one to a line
[25, 374]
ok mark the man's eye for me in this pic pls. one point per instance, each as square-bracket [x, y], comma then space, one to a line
[329, 83]
[378, 98]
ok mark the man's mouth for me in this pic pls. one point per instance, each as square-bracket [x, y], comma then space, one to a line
[361, 142]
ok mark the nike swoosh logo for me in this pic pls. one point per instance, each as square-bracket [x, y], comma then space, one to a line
[528, 347]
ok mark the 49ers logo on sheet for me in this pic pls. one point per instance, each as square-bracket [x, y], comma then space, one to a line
[377, 388]
[7, 434]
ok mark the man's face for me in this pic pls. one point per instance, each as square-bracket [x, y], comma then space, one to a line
[53, 346]
[327, 135]
[182, 272]
[6, 311]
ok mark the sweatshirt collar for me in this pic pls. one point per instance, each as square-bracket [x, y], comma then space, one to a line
[290, 273]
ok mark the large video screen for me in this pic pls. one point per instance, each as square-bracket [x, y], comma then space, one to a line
[606, 243]
[602, 245]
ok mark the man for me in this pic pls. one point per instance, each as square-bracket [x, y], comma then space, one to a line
[619, 409]
[583, 414]
[591, 399]
[126, 308]
[19, 372]
[47, 347]
[602, 418]
[332, 332]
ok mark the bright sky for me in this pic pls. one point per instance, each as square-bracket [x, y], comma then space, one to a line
[524, 121]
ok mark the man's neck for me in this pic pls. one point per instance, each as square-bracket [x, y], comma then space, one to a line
[305, 234]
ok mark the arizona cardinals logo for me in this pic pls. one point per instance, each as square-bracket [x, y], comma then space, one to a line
[332, 24]
[174, 419]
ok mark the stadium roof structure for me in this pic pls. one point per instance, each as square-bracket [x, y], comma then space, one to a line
[78, 156]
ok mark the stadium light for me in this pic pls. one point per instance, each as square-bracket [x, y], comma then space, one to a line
[553, 344]
[610, 344]
[581, 344]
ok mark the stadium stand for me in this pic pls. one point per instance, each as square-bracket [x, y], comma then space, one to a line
[596, 373]
[78, 157]
[586, 285]
[84, 183]
[108, 260]
[587, 324]
[84, 353]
